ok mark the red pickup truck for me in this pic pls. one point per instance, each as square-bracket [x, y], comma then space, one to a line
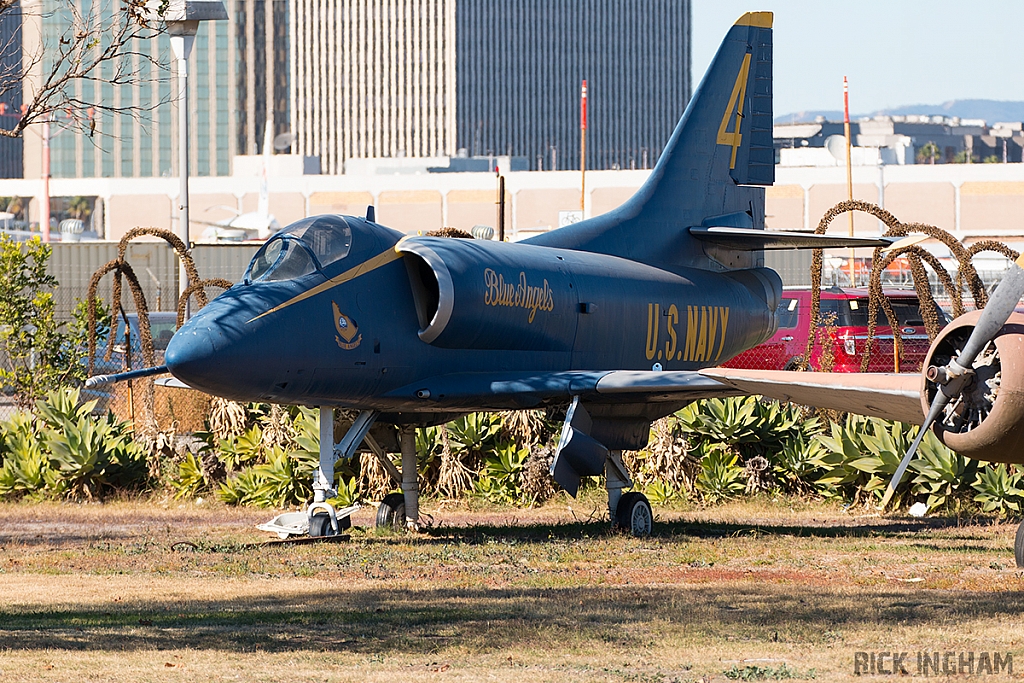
[848, 308]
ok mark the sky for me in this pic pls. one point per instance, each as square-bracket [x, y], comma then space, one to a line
[895, 52]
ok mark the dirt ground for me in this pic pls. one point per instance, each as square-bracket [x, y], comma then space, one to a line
[765, 589]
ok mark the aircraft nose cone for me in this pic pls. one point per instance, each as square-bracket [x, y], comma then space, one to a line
[189, 355]
[206, 355]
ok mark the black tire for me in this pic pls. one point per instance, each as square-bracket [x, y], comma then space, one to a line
[320, 525]
[794, 363]
[1018, 546]
[391, 512]
[633, 514]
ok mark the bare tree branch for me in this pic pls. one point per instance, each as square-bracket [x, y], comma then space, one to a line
[98, 42]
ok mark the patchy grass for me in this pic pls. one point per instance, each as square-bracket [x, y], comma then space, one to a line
[754, 590]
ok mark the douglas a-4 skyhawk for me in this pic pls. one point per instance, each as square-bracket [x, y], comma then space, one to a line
[615, 316]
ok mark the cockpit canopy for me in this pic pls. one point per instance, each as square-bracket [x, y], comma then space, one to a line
[303, 247]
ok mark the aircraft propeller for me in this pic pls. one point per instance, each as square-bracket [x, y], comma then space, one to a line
[958, 373]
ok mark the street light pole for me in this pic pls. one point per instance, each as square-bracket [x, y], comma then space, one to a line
[183, 37]
[44, 209]
[182, 19]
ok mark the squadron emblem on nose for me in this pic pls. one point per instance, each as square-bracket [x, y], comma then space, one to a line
[348, 336]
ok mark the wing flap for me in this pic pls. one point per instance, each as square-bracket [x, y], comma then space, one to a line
[677, 384]
[889, 396]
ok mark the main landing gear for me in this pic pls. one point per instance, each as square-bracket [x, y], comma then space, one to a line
[631, 511]
[321, 518]
[580, 455]
[399, 510]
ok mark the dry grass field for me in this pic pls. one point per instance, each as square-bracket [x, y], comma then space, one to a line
[754, 590]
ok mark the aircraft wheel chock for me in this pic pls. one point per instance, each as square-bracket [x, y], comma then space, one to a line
[633, 514]
[1018, 546]
[391, 512]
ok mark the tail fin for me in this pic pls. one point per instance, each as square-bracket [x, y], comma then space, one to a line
[721, 146]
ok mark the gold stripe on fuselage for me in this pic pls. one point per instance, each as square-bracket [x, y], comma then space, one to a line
[381, 259]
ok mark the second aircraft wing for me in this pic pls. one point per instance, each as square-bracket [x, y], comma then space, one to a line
[889, 396]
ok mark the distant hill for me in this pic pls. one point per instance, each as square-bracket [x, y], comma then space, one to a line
[989, 110]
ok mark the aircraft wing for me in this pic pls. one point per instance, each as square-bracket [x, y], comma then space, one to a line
[889, 396]
[529, 390]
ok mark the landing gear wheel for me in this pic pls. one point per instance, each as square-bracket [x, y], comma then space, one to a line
[320, 526]
[1018, 546]
[633, 514]
[391, 512]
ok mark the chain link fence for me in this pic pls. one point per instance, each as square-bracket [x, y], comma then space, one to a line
[156, 265]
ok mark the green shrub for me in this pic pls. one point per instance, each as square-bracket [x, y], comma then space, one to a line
[241, 450]
[25, 467]
[719, 477]
[501, 480]
[190, 480]
[41, 353]
[999, 489]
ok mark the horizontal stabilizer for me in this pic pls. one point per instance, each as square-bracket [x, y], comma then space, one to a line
[889, 396]
[756, 240]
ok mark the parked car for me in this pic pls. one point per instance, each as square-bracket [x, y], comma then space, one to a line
[128, 346]
[161, 326]
[848, 310]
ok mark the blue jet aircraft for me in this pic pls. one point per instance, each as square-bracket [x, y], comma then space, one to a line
[613, 316]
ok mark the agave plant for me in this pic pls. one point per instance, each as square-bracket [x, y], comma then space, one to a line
[474, 433]
[942, 474]
[240, 488]
[190, 479]
[752, 427]
[720, 476]
[501, 479]
[794, 463]
[62, 405]
[660, 493]
[25, 467]
[863, 454]
[999, 489]
[728, 421]
[88, 454]
[242, 449]
[280, 482]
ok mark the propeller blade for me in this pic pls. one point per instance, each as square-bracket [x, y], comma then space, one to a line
[996, 313]
[908, 241]
[941, 399]
[1000, 306]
